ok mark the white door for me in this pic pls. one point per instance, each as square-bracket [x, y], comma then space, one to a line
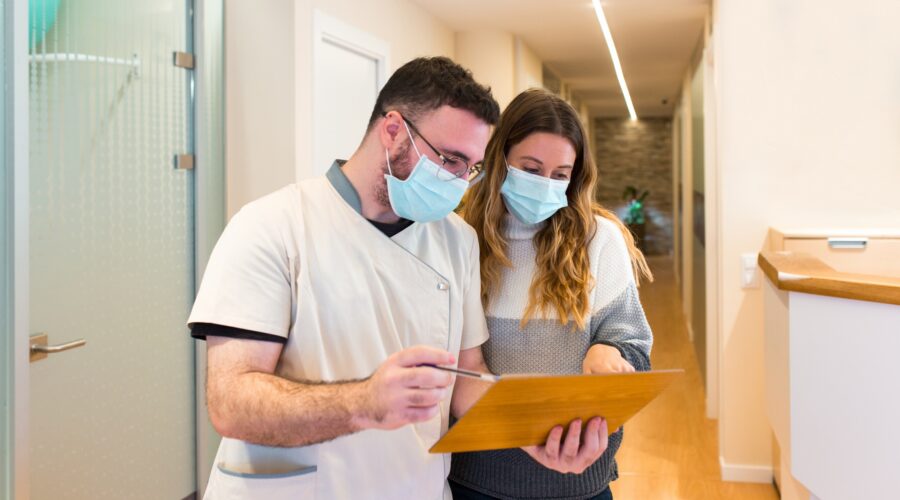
[110, 253]
[349, 68]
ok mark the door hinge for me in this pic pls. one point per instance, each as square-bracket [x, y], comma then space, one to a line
[184, 162]
[183, 60]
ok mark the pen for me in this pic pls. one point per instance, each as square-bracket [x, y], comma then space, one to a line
[487, 377]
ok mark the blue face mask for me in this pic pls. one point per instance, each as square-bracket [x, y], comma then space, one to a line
[532, 198]
[430, 193]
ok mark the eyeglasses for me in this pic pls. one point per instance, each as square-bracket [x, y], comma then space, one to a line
[456, 167]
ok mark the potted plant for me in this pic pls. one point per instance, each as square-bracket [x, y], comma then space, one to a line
[635, 218]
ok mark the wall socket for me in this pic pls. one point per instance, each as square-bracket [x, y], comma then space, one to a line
[749, 271]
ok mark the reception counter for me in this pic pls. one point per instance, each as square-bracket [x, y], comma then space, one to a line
[832, 354]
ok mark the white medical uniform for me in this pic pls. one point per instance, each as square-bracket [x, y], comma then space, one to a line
[302, 263]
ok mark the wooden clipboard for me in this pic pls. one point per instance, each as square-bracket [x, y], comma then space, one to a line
[520, 410]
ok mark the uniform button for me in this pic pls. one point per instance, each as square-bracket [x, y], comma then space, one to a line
[443, 286]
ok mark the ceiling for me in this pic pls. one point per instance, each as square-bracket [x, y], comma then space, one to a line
[655, 40]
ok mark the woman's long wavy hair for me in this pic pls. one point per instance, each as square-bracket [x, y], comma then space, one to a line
[563, 279]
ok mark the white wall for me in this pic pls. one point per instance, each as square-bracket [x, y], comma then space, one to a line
[491, 55]
[259, 99]
[808, 129]
[529, 68]
[269, 83]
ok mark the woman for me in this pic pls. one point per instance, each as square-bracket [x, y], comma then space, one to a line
[558, 275]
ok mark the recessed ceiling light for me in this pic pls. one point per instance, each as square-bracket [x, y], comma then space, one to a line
[598, 9]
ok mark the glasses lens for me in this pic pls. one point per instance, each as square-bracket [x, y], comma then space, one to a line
[453, 168]
[446, 175]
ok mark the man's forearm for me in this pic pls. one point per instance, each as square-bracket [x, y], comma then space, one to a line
[265, 409]
[248, 402]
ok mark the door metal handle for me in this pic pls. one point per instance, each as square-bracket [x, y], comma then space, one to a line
[40, 349]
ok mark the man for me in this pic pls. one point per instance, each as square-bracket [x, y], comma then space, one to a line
[321, 301]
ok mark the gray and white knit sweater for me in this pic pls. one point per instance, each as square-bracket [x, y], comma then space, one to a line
[547, 346]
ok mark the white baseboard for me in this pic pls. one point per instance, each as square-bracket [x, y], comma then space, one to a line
[742, 473]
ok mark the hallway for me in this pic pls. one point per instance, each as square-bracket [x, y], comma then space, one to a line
[671, 449]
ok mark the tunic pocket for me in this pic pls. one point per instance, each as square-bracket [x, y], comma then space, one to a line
[227, 484]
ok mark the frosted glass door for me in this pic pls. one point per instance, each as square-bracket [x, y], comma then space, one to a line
[111, 250]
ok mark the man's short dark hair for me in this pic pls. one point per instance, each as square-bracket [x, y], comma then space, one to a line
[427, 83]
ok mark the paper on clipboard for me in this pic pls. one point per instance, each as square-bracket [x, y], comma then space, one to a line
[521, 410]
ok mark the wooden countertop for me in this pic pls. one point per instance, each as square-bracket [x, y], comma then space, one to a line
[800, 272]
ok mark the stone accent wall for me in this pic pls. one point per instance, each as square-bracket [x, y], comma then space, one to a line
[638, 153]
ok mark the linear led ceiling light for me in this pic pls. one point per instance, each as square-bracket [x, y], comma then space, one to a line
[615, 57]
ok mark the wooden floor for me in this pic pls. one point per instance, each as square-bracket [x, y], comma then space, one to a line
[671, 449]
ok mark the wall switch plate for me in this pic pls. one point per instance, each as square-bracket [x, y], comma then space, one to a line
[749, 271]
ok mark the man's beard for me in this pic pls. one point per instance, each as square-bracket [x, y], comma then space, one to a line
[400, 166]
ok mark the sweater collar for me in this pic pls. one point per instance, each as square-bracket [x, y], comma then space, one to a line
[514, 229]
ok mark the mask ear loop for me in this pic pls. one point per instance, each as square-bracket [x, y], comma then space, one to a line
[412, 141]
[506, 161]
[387, 157]
[508, 166]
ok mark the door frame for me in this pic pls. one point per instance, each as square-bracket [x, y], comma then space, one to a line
[713, 231]
[16, 76]
[209, 195]
[209, 214]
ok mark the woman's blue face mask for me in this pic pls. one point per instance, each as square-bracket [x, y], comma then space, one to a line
[532, 198]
